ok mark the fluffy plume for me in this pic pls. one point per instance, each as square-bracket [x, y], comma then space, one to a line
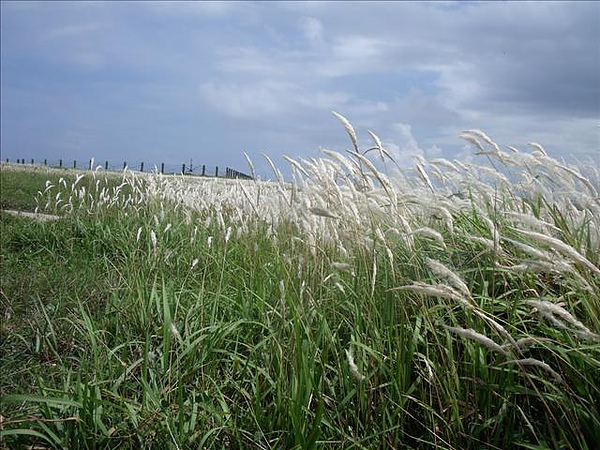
[478, 337]
[353, 368]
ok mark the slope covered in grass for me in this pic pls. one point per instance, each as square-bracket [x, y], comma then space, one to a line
[451, 306]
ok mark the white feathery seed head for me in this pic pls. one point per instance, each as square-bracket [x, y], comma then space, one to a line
[535, 363]
[478, 337]
[349, 129]
[353, 367]
[441, 270]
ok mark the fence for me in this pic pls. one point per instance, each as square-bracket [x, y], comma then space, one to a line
[198, 170]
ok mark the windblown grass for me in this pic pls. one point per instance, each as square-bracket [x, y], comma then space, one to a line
[452, 306]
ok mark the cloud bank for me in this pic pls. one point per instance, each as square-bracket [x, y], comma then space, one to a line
[165, 81]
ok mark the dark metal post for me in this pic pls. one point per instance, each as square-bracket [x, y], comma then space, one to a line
[124, 164]
[142, 166]
[217, 172]
[74, 164]
[183, 168]
[162, 168]
[106, 165]
[60, 163]
[203, 170]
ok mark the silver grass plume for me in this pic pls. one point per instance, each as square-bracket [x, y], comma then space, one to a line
[353, 367]
[478, 337]
[536, 363]
[349, 129]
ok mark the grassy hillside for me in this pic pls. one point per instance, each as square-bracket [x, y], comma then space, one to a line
[455, 306]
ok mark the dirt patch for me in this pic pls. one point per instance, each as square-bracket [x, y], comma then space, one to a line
[36, 216]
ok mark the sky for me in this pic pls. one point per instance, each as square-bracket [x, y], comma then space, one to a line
[205, 82]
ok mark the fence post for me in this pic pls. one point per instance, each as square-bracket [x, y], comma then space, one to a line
[60, 163]
[90, 164]
[162, 168]
[217, 172]
[74, 164]
[142, 166]
[106, 165]
[183, 168]
[45, 162]
[124, 164]
[32, 161]
[203, 170]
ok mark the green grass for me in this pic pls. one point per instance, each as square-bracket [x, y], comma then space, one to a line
[135, 322]
[19, 186]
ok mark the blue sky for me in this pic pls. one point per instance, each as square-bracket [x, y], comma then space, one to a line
[174, 81]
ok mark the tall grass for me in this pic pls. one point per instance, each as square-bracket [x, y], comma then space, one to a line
[450, 306]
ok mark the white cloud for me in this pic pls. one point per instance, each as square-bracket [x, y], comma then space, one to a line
[457, 84]
[403, 146]
[313, 30]
[519, 71]
[405, 139]
[240, 101]
[354, 54]
[266, 98]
